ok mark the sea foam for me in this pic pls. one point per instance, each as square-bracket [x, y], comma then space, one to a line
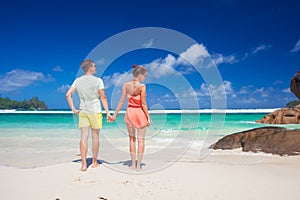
[258, 110]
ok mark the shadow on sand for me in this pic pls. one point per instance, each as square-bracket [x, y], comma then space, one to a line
[127, 163]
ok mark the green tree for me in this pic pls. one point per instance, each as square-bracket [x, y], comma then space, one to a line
[293, 103]
[32, 104]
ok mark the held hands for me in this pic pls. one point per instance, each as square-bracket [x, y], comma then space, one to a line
[76, 112]
[110, 118]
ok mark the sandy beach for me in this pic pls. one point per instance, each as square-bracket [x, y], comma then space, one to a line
[220, 175]
[40, 160]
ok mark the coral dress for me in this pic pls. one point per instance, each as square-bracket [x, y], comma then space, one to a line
[135, 116]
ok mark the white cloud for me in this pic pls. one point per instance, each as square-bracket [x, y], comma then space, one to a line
[18, 78]
[167, 98]
[195, 55]
[296, 47]
[63, 88]
[262, 91]
[262, 47]
[156, 69]
[58, 69]
[286, 90]
[248, 101]
[216, 92]
[186, 94]
[203, 91]
[246, 97]
[258, 92]
[116, 79]
[256, 50]
[220, 59]
[265, 97]
[245, 89]
[228, 87]
[219, 92]
[161, 67]
[278, 82]
[249, 96]
[148, 44]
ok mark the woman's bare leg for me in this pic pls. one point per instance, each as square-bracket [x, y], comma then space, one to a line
[132, 146]
[84, 146]
[95, 146]
[141, 147]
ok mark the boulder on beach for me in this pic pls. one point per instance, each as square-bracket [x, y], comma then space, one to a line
[289, 115]
[295, 84]
[275, 140]
[282, 116]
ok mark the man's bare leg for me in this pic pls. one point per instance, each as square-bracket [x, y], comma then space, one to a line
[95, 146]
[83, 144]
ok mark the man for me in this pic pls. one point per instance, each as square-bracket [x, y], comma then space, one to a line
[90, 90]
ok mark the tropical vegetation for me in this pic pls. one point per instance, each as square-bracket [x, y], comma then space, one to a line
[32, 104]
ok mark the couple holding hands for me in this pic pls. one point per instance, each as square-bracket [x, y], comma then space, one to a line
[91, 90]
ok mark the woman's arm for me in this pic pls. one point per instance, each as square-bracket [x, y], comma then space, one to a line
[144, 103]
[69, 94]
[121, 102]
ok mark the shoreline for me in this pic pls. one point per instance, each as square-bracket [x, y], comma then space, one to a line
[184, 111]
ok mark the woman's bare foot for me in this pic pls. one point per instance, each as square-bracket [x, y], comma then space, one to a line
[95, 164]
[83, 168]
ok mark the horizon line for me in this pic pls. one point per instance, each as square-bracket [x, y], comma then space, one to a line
[156, 111]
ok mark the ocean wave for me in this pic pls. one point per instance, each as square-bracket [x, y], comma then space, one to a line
[245, 122]
[224, 111]
[13, 111]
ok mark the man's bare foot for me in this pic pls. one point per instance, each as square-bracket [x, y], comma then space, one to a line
[132, 167]
[95, 164]
[139, 169]
[83, 168]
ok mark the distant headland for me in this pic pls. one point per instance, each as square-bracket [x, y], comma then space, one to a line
[32, 104]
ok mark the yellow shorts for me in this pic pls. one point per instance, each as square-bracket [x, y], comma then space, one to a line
[92, 120]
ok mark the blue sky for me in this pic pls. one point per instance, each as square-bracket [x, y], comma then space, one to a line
[255, 45]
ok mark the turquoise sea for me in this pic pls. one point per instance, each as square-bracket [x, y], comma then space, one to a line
[45, 138]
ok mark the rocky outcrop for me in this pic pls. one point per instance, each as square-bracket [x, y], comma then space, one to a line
[275, 140]
[295, 84]
[282, 116]
[286, 115]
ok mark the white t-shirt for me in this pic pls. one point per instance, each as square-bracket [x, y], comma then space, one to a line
[87, 88]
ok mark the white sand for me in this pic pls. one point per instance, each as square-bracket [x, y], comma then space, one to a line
[221, 175]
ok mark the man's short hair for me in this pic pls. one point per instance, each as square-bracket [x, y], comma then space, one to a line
[86, 64]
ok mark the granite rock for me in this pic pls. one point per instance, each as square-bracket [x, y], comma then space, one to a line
[282, 116]
[275, 140]
[295, 84]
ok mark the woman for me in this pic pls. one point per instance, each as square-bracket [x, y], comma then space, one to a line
[89, 89]
[137, 116]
